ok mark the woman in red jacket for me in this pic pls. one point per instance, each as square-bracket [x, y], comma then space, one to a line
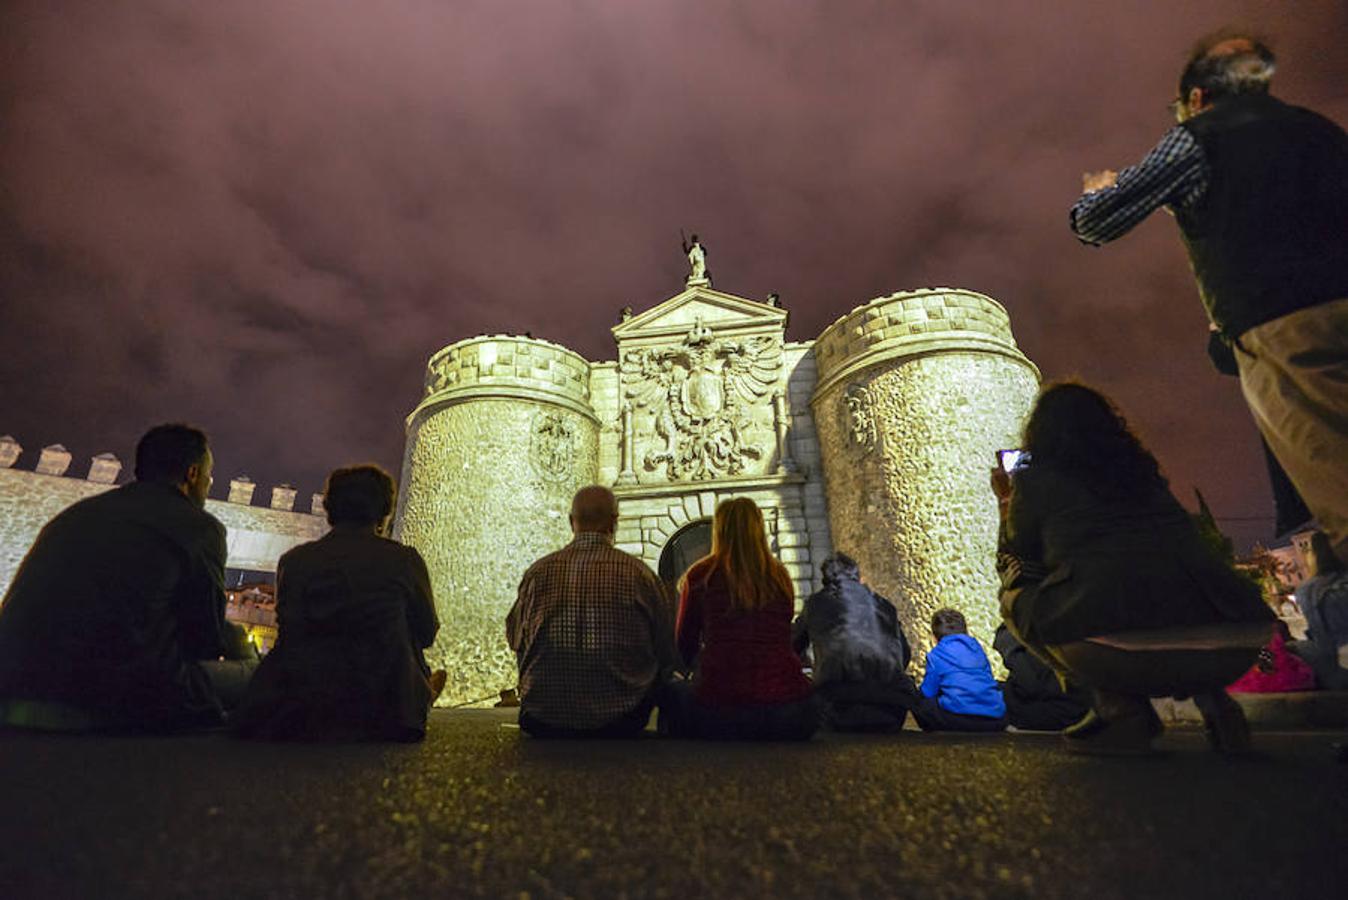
[734, 628]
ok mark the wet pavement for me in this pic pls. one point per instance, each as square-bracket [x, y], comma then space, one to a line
[481, 810]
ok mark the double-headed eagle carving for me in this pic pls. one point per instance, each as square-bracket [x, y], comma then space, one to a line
[701, 393]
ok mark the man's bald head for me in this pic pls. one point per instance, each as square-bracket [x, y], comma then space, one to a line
[594, 508]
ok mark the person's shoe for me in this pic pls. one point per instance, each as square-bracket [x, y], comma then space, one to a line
[1130, 735]
[1224, 722]
[1092, 722]
[438, 679]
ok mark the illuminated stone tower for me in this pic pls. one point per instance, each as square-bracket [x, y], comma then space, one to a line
[915, 393]
[503, 437]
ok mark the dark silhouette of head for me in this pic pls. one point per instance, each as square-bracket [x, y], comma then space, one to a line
[839, 567]
[594, 509]
[177, 455]
[945, 622]
[359, 496]
[1225, 64]
[1078, 431]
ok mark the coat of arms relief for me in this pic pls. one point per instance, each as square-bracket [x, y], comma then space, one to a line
[707, 398]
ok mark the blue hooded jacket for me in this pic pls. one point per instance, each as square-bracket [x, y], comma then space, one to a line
[959, 677]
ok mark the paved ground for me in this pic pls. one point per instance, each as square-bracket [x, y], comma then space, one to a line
[479, 810]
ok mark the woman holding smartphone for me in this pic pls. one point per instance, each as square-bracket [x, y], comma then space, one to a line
[1106, 578]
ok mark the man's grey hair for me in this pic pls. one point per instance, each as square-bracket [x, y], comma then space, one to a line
[1227, 64]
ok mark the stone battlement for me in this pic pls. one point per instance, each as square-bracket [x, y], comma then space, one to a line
[256, 536]
[507, 365]
[912, 322]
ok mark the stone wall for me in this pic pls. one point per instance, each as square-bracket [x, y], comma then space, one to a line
[495, 451]
[916, 392]
[256, 536]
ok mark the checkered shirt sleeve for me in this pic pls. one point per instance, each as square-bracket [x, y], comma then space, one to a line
[1174, 174]
[592, 630]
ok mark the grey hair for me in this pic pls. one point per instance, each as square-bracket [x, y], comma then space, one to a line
[1227, 64]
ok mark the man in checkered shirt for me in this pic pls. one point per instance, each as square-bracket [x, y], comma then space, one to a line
[592, 631]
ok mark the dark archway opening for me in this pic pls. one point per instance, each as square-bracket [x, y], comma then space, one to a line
[689, 544]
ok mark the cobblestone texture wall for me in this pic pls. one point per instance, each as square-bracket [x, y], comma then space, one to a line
[495, 453]
[257, 536]
[916, 393]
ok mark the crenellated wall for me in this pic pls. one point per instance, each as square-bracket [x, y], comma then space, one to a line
[256, 536]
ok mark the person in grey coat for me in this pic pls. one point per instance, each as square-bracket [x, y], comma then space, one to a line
[355, 613]
[859, 649]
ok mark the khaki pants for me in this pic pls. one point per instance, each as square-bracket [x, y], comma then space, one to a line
[1151, 673]
[1294, 374]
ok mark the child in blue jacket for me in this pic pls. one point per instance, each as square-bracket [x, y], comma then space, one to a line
[959, 692]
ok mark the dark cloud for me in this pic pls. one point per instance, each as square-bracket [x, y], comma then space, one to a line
[264, 216]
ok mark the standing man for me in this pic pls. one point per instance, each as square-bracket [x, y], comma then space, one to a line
[1260, 191]
[116, 617]
[592, 629]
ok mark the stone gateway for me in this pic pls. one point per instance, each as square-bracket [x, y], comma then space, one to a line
[876, 439]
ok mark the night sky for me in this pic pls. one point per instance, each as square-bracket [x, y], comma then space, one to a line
[263, 217]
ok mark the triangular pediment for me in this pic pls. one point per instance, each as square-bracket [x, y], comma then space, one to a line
[716, 310]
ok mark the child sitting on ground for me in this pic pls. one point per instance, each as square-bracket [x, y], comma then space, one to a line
[958, 692]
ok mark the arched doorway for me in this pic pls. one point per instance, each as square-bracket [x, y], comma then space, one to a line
[689, 544]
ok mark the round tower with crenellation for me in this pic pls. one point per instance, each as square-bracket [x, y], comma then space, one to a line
[915, 393]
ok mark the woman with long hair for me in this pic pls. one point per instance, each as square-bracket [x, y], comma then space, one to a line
[734, 629]
[1107, 579]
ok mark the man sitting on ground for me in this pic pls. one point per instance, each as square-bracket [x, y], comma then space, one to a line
[116, 617]
[592, 630]
[860, 651]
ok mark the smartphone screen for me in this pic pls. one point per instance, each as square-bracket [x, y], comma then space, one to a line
[1011, 460]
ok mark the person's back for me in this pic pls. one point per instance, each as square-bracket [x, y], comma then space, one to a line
[1270, 234]
[354, 610]
[1116, 563]
[590, 629]
[742, 656]
[734, 630]
[852, 631]
[111, 610]
[959, 678]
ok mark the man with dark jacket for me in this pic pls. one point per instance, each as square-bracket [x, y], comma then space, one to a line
[1260, 191]
[115, 618]
[859, 651]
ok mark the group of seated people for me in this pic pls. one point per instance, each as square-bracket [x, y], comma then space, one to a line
[1109, 597]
